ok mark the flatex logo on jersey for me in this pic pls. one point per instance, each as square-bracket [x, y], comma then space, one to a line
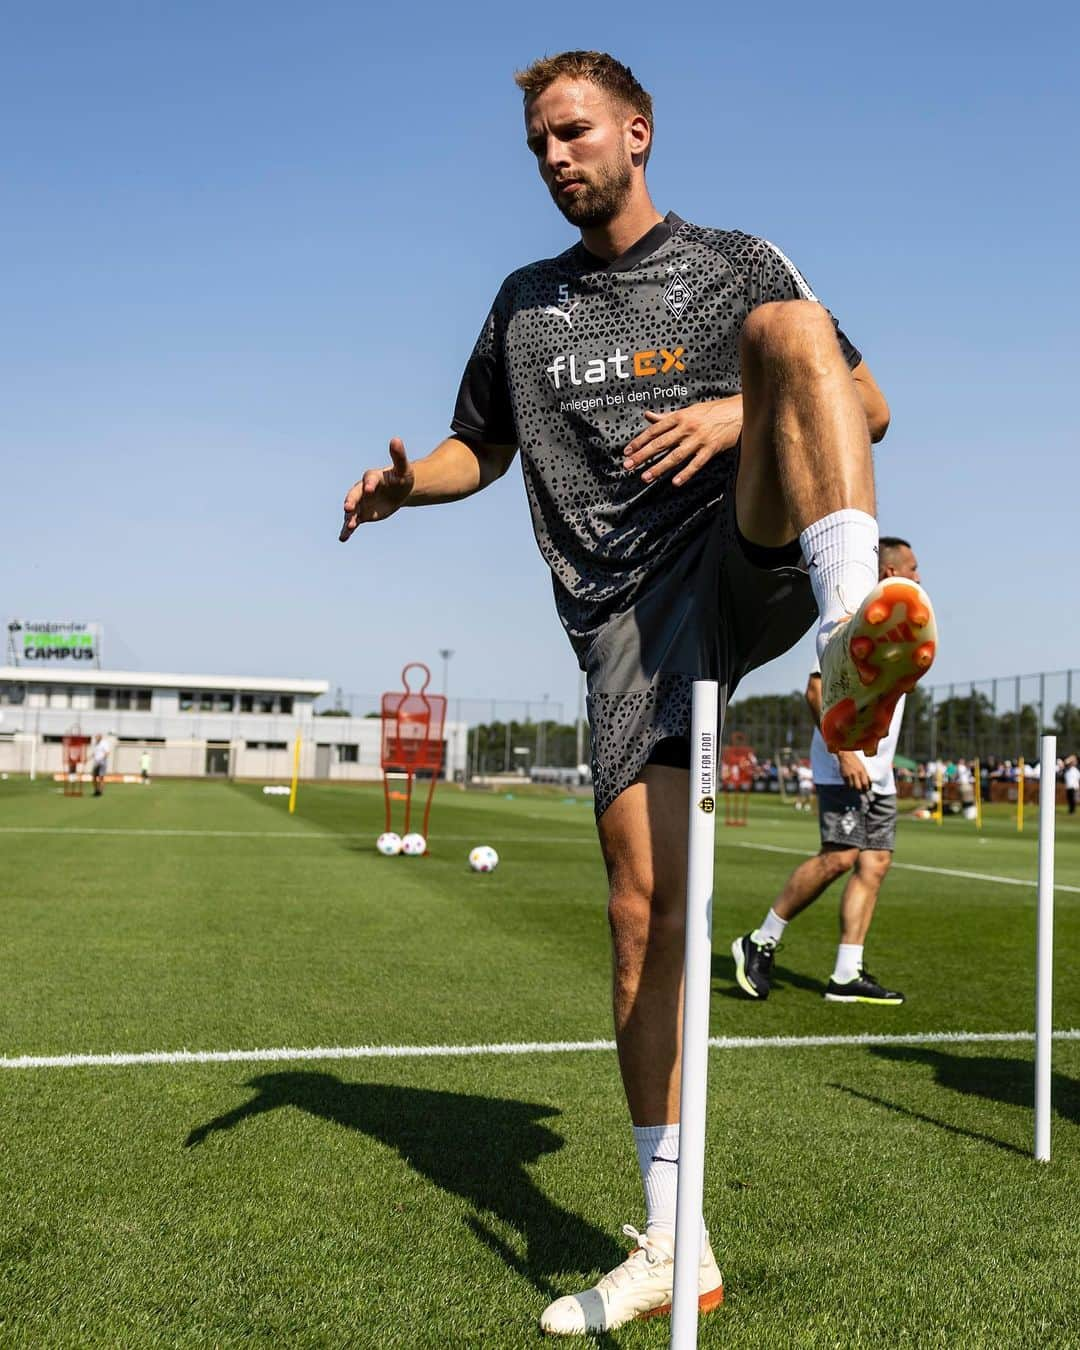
[568, 368]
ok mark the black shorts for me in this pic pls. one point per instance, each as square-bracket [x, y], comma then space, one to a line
[852, 819]
[721, 609]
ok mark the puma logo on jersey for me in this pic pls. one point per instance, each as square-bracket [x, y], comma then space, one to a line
[624, 366]
[563, 313]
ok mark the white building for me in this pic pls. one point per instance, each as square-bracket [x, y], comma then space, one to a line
[192, 725]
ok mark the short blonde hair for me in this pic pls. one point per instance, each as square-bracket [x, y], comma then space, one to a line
[598, 68]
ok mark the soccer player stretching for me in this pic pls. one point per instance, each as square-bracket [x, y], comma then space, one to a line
[694, 433]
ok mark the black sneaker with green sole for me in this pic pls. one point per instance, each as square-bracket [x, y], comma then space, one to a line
[753, 965]
[863, 989]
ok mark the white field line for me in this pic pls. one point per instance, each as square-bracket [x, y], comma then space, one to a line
[284, 1053]
[920, 867]
[303, 835]
[588, 838]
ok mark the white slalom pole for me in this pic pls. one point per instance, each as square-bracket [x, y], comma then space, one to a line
[697, 968]
[1044, 965]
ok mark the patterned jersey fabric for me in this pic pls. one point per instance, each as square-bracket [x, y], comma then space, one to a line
[572, 353]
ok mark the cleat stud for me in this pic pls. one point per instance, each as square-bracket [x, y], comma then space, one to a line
[878, 611]
[923, 657]
[862, 647]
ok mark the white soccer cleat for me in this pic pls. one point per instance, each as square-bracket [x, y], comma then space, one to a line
[871, 659]
[640, 1287]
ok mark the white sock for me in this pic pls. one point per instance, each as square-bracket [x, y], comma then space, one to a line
[658, 1157]
[848, 963]
[772, 930]
[841, 552]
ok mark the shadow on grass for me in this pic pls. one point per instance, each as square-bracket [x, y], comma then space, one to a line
[1010, 1081]
[474, 1147]
[899, 1110]
[723, 973]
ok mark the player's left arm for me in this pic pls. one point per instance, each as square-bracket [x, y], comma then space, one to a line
[686, 439]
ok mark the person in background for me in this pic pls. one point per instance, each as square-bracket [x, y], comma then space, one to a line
[144, 768]
[857, 814]
[99, 759]
[1072, 783]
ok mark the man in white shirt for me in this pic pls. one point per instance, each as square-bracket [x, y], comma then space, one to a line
[1072, 783]
[805, 777]
[857, 813]
[99, 759]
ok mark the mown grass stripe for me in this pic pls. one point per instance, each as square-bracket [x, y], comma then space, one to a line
[123, 1060]
[922, 867]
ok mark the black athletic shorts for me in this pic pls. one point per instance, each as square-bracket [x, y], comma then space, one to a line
[723, 608]
[853, 819]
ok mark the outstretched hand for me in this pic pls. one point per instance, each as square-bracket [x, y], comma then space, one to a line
[689, 437]
[379, 493]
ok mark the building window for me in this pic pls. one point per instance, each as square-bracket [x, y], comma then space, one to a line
[286, 702]
[348, 754]
[206, 702]
[102, 698]
[266, 745]
[247, 703]
[187, 700]
[223, 702]
[123, 699]
[12, 693]
[266, 703]
[142, 699]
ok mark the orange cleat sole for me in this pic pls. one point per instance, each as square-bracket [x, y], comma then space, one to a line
[885, 648]
[706, 1303]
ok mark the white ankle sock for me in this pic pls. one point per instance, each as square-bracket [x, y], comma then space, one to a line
[841, 552]
[658, 1158]
[848, 963]
[772, 930]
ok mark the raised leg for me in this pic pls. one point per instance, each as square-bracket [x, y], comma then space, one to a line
[805, 440]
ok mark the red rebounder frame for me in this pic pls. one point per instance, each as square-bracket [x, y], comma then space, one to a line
[737, 769]
[412, 741]
[75, 744]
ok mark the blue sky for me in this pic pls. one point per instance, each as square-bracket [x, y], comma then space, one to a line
[244, 244]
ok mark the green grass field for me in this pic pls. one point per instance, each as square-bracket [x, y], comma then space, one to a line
[858, 1195]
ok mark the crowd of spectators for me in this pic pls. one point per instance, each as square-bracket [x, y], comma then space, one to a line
[958, 776]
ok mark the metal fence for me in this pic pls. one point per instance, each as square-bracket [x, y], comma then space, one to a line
[1001, 717]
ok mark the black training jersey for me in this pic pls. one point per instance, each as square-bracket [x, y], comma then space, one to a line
[572, 353]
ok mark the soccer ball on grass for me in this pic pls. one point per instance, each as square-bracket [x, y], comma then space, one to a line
[483, 858]
[389, 844]
[414, 845]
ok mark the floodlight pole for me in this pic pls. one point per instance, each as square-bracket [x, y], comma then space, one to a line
[697, 982]
[446, 653]
[1044, 964]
